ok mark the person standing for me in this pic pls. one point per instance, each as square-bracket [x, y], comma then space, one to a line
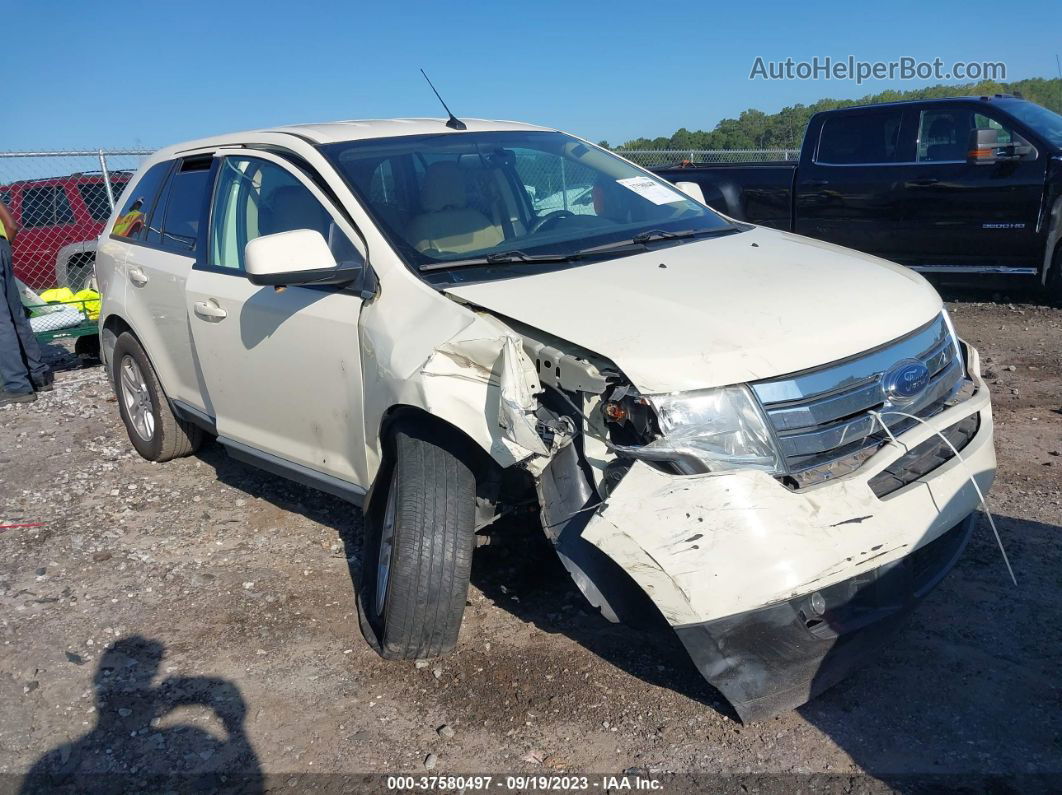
[22, 369]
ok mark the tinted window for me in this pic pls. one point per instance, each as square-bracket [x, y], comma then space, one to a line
[860, 138]
[184, 206]
[255, 198]
[139, 202]
[94, 194]
[45, 205]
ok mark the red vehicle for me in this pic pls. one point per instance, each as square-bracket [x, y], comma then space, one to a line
[59, 220]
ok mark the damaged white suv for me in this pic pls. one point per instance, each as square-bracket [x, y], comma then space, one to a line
[443, 320]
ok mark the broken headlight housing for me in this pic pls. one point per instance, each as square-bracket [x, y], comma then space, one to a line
[709, 430]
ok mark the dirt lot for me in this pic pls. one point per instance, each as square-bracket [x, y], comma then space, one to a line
[199, 616]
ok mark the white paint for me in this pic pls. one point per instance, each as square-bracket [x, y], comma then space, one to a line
[724, 311]
[708, 546]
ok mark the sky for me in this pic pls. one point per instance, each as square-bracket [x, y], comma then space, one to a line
[96, 75]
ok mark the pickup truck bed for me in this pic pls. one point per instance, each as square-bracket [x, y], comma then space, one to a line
[758, 192]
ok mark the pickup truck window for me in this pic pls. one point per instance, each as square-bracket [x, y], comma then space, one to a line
[860, 138]
[1046, 122]
[466, 197]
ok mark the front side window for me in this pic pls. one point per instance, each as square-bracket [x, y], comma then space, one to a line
[45, 205]
[860, 138]
[139, 202]
[256, 197]
[476, 198]
[943, 135]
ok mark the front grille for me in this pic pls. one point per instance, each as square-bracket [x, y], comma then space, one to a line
[823, 415]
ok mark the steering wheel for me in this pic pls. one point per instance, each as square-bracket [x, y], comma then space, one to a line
[556, 215]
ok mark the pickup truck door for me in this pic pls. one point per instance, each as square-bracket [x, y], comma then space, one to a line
[846, 188]
[961, 216]
[280, 368]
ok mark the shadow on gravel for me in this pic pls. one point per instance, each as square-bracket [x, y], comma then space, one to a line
[992, 290]
[966, 693]
[522, 575]
[137, 743]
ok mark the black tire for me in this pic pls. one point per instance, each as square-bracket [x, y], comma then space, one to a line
[1053, 286]
[155, 432]
[415, 609]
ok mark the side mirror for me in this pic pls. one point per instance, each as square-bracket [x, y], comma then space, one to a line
[693, 190]
[298, 257]
[985, 148]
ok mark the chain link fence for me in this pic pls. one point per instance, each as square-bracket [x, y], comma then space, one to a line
[61, 201]
[661, 158]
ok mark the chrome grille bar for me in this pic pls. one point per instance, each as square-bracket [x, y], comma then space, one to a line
[823, 414]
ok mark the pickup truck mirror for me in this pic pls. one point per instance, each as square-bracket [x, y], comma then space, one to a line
[985, 148]
[693, 190]
[298, 257]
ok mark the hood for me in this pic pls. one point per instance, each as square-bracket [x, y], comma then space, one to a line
[745, 307]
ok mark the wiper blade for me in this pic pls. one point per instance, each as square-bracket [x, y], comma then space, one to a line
[499, 258]
[642, 238]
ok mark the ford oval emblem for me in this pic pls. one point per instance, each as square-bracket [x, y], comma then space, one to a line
[905, 381]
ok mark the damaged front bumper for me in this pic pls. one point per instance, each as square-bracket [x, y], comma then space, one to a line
[777, 593]
[775, 658]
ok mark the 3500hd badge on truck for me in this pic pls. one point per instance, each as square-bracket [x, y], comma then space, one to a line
[441, 320]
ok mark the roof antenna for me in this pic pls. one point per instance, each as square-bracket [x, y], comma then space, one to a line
[453, 122]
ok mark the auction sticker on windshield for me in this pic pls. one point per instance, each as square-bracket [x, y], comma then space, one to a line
[651, 189]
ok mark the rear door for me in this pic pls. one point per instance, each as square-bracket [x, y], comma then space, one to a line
[965, 216]
[279, 368]
[161, 221]
[847, 186]
[46, 224]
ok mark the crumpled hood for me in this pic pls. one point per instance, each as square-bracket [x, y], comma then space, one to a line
[719, 311]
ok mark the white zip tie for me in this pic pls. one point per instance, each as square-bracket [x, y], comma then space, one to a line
[984, 504]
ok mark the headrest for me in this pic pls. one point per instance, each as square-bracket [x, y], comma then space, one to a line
[444, 188]
[294, 207]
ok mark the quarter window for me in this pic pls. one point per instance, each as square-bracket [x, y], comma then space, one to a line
[852, 138]
[139, 202]
[255, 197]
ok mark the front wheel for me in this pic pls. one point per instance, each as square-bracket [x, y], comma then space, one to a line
[1054, 278]
[417, 555]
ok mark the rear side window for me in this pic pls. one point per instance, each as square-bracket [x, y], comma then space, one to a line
[184, 205]
[139, 202]
[852, 138]
[45, 205]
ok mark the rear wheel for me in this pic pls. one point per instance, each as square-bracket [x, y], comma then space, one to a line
[417, 555]
[153, 429]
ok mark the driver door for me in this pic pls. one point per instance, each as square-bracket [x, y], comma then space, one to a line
[279, 369]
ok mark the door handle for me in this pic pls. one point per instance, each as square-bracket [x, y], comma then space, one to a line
[923, 183]
[137, 276]
[209, 310]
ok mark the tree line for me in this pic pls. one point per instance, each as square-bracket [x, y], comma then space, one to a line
[754, 129]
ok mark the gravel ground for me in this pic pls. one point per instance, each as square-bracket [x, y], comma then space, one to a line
[199, 616]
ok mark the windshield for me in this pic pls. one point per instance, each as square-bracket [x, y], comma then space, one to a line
[1046, 122]
[460, 200]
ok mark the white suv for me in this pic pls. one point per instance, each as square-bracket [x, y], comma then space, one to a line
[446, 320]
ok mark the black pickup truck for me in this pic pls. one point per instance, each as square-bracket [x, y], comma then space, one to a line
[964, 185]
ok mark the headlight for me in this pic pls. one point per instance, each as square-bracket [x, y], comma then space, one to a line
[710, 430]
